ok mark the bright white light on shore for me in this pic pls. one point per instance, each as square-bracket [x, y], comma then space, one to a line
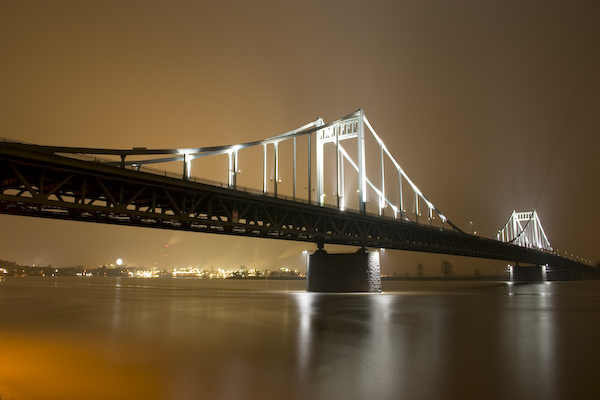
[119, 261]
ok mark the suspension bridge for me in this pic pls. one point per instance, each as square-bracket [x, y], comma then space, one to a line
[334, 183]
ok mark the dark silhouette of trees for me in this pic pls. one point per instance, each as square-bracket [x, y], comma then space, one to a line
[446, 269]
[420, 268]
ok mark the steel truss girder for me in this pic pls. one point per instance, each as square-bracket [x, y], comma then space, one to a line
[50, 186]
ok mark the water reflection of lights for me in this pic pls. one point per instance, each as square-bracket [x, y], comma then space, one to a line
[330, 325]
[541, 289]
[305, 303]
[532, 329]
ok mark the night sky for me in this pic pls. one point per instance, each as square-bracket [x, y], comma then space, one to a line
[488, 106]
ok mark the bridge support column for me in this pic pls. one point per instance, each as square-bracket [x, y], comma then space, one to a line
[534, 273]
[345, 272]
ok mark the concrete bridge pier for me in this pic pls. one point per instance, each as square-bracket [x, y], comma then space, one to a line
[343, 272]
[529, 273]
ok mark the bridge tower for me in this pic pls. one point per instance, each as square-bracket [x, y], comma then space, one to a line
[525, 229]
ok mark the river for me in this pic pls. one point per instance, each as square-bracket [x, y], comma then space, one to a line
[126, 338]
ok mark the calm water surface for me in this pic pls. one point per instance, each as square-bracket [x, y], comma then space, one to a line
[118, 338]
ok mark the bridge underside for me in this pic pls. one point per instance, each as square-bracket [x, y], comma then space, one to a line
[39, 184]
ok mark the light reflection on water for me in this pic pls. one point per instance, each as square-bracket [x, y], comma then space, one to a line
[190, 339]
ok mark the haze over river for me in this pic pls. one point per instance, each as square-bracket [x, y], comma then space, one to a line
[125, 338]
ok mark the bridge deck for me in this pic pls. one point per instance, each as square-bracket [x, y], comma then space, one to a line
[35, 182]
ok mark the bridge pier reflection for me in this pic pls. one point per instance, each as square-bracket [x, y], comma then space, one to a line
[345, 272]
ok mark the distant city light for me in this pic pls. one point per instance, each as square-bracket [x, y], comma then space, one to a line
[119, 261]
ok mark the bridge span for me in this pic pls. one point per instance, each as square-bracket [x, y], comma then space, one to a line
[59, 183]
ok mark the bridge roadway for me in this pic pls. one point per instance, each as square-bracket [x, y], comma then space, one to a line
[35, 181]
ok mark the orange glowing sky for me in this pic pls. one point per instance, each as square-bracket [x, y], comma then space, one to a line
[488, 106]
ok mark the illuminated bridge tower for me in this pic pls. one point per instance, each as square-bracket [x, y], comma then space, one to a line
[341, 163]
[354, 164]
[525, 229]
